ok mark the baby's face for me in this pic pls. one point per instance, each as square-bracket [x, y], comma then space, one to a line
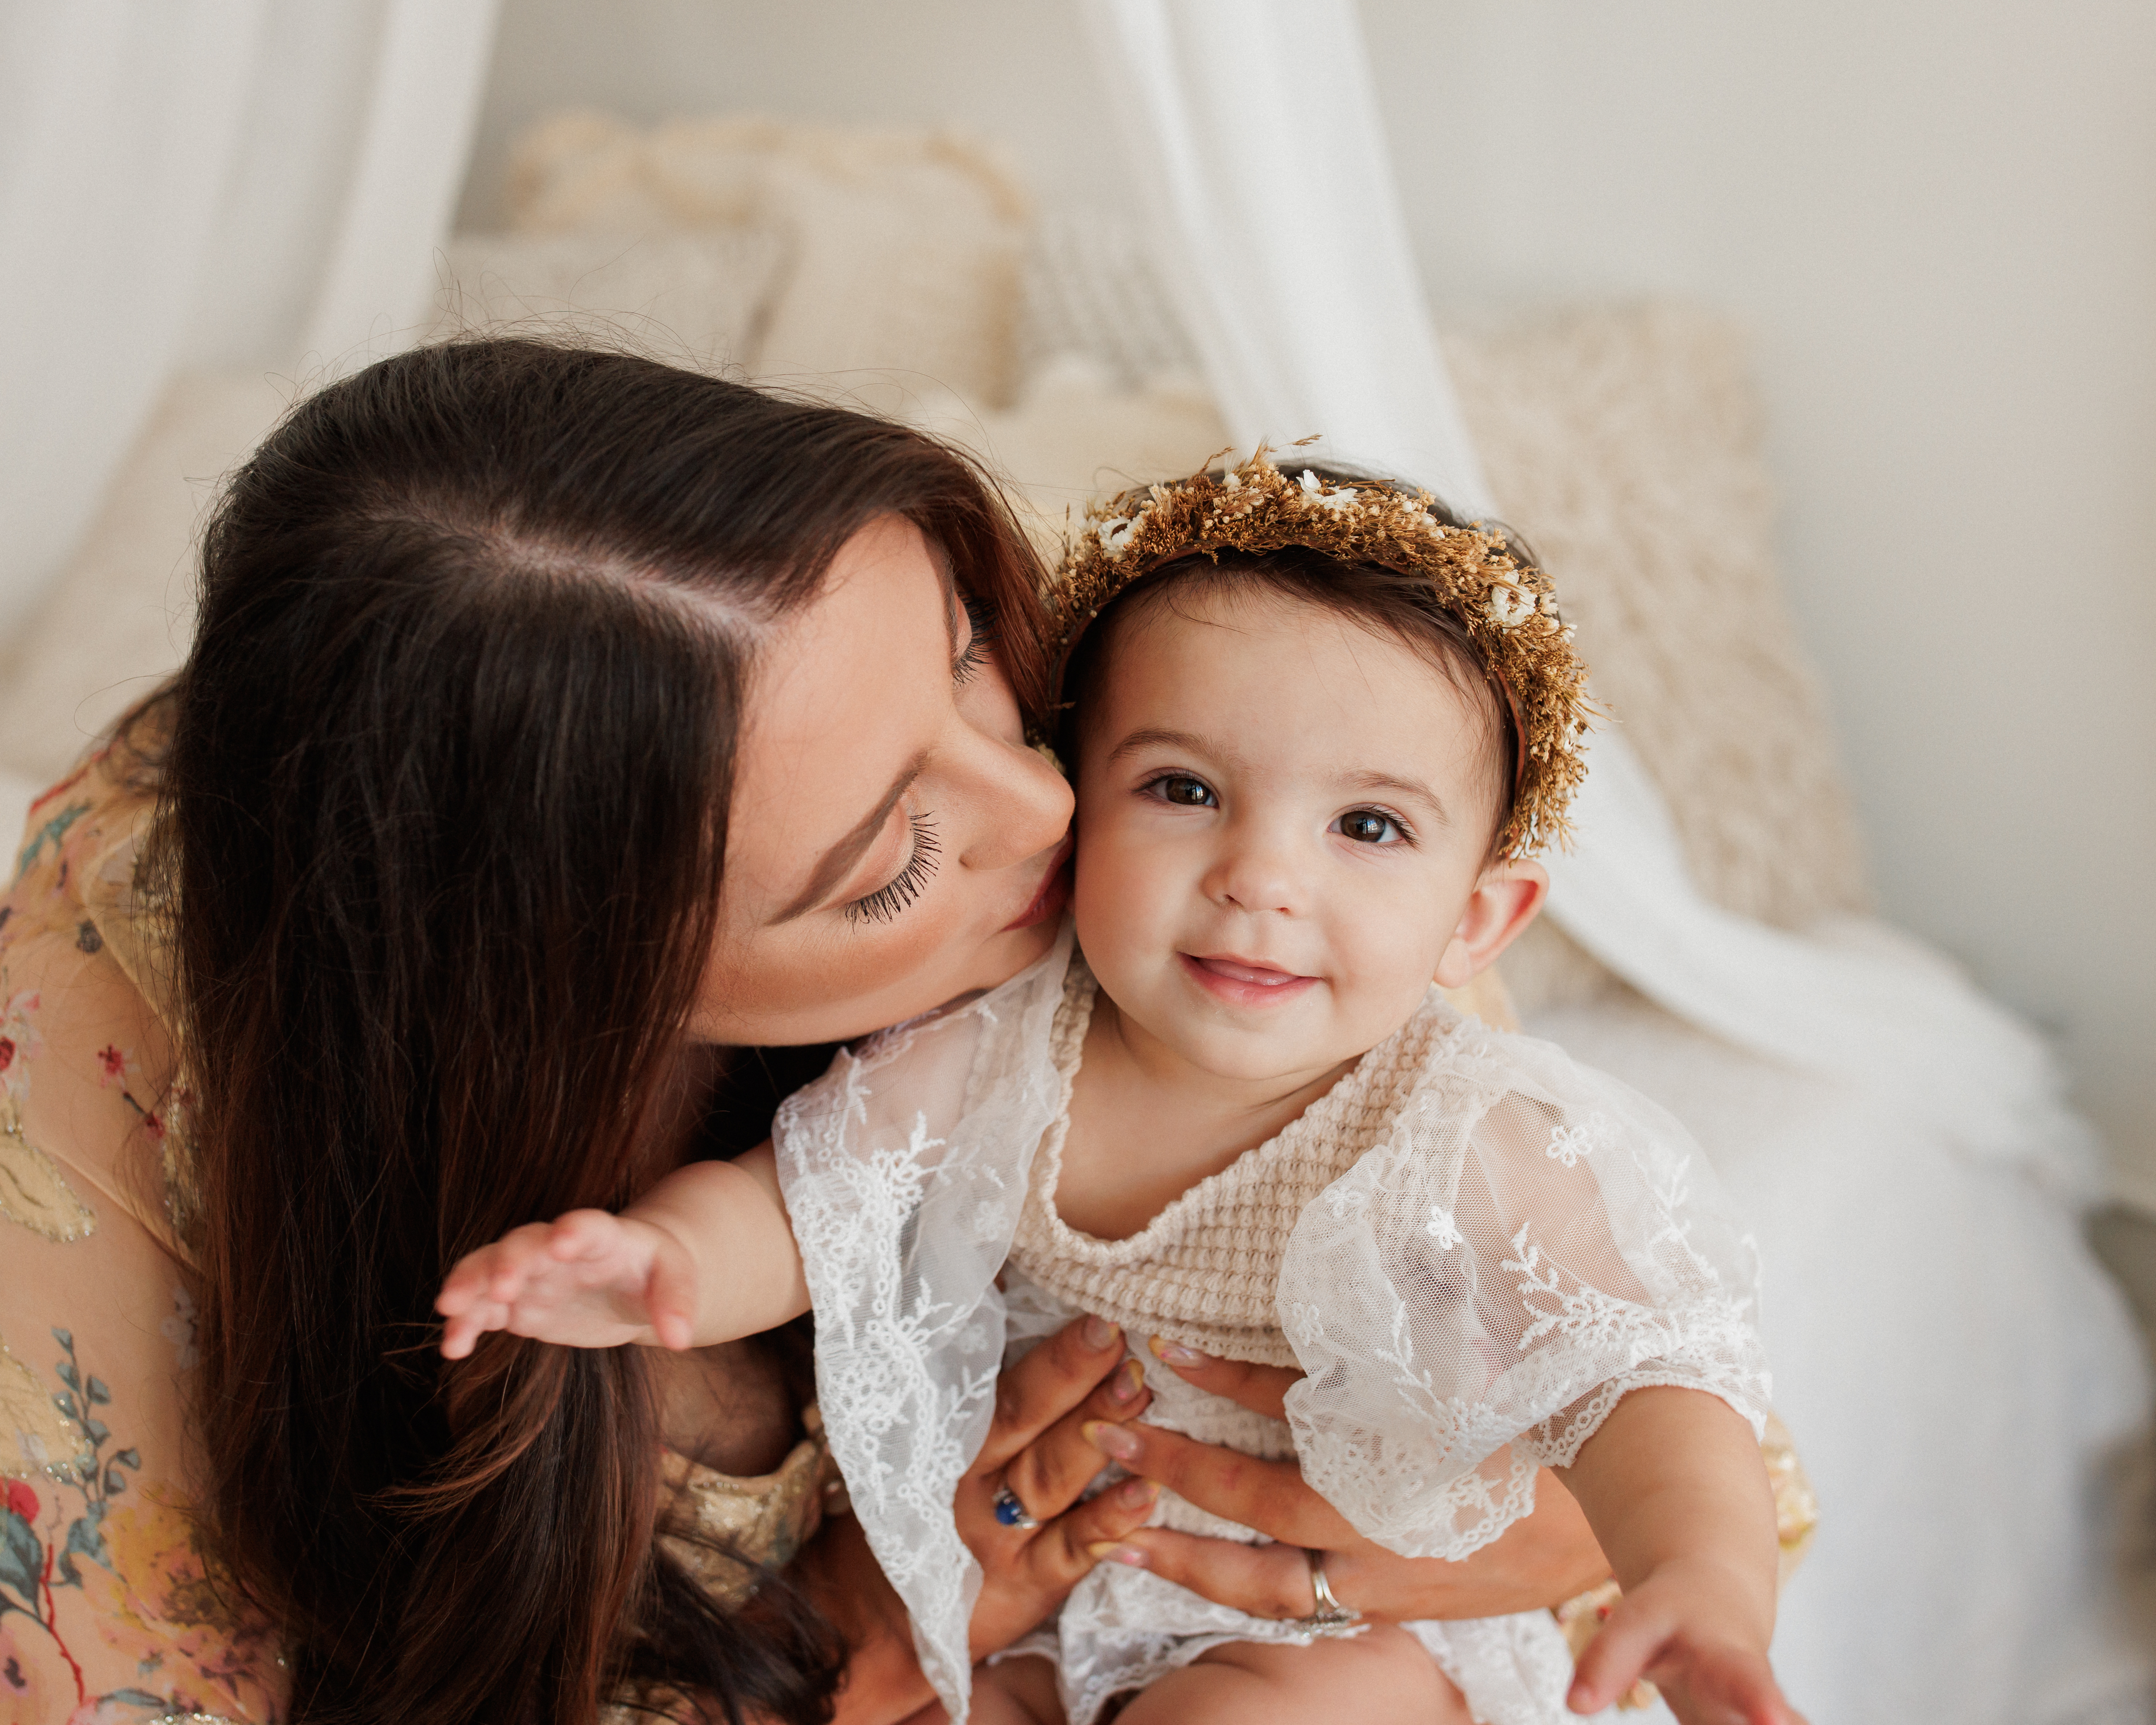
[1282, 817]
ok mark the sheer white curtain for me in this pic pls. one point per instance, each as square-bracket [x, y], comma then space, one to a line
[1252, 127]
[187, 183]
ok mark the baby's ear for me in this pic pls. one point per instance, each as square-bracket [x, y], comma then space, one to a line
[1504, 902]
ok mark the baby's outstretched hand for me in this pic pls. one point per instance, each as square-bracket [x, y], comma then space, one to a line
[1675, 1630]
[589, 1280]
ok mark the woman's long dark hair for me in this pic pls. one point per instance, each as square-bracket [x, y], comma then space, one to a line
[446, 800]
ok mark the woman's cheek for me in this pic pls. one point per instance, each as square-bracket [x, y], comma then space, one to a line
[908, 952]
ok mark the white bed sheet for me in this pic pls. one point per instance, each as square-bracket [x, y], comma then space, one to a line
[1964, 1381]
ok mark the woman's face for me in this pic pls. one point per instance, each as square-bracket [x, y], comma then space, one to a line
[893, 842]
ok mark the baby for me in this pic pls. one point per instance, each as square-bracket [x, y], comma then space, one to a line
[1316, 726]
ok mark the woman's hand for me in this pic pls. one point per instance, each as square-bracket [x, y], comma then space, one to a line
[1540, 1561]
[1036, 1446]
[1077, 1382]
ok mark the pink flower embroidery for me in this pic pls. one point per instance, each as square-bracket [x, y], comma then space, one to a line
[114, 1062]
[21, 1500]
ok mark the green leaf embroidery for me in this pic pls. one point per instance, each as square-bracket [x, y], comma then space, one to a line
[22, 1556]
[98, 1392]
[86, 1539]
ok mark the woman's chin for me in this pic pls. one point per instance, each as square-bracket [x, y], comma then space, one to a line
[1015, 948]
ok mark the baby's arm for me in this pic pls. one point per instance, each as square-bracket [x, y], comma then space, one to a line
[705, 1256]
[1674, 1488]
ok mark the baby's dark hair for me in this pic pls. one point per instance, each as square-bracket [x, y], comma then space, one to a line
[1398, 605]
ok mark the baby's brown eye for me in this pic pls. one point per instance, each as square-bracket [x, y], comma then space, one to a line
[1366, 826]
[1190, 793]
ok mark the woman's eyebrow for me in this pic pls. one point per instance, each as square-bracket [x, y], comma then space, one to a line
[843, 855]
[954, 606]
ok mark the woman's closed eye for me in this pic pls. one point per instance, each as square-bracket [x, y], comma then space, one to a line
[887, 900]
[1373, 826]
[980, 638]
[1181, 790]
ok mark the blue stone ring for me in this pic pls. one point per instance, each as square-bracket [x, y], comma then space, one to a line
[1010, 1511]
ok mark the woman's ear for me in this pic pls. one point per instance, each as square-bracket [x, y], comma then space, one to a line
[1504, 902]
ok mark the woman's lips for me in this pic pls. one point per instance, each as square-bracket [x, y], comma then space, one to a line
[1054, 895]
[1244, 981]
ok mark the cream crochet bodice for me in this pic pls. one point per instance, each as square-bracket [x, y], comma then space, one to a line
[1205, 1270]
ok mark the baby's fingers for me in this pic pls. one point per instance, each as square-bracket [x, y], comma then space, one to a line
[1725, 1686]
[584, 1237]
[493, 1272]
[1718, 1683]
[1634, 1634]
[461, 1333]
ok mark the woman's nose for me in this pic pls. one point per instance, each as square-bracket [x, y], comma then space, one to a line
[1023, 806]
[1255, 871]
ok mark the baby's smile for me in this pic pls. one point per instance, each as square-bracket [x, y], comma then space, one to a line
[1244, 981]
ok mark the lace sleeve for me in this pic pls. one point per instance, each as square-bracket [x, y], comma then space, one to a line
[1531, 1241]
[903, 1168]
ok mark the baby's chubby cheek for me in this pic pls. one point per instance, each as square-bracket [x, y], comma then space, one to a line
[1123, 899]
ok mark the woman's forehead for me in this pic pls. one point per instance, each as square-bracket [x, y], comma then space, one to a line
[847, 691]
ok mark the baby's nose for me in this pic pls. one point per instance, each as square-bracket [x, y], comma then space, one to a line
[1258, 875]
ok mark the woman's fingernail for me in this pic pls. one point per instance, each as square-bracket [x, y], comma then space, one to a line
[1176, 1355]
[1099, 1333]
[1137, 1494]
[1111, 1440]
[1130, 1379]
[1107, 1551]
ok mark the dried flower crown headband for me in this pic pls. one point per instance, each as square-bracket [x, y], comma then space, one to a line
[1507, 606]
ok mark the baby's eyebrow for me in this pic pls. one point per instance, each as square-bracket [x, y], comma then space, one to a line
[1155, 738]
[1368, 780]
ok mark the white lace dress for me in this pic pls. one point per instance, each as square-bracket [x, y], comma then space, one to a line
[1471, 1245]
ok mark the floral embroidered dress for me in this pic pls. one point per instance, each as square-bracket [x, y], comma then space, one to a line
[1471, 1245]
[108, 1609]
[110, 1613]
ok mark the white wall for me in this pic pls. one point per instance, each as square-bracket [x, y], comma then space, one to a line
[1938, 218]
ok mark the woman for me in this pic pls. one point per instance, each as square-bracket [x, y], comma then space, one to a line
[556, 721]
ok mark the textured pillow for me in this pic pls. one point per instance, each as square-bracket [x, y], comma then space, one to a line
[1625, 444]
[904, 250]
[698, 299]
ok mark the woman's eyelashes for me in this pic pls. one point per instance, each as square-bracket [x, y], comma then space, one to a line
[980, 637]
[887, 900]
